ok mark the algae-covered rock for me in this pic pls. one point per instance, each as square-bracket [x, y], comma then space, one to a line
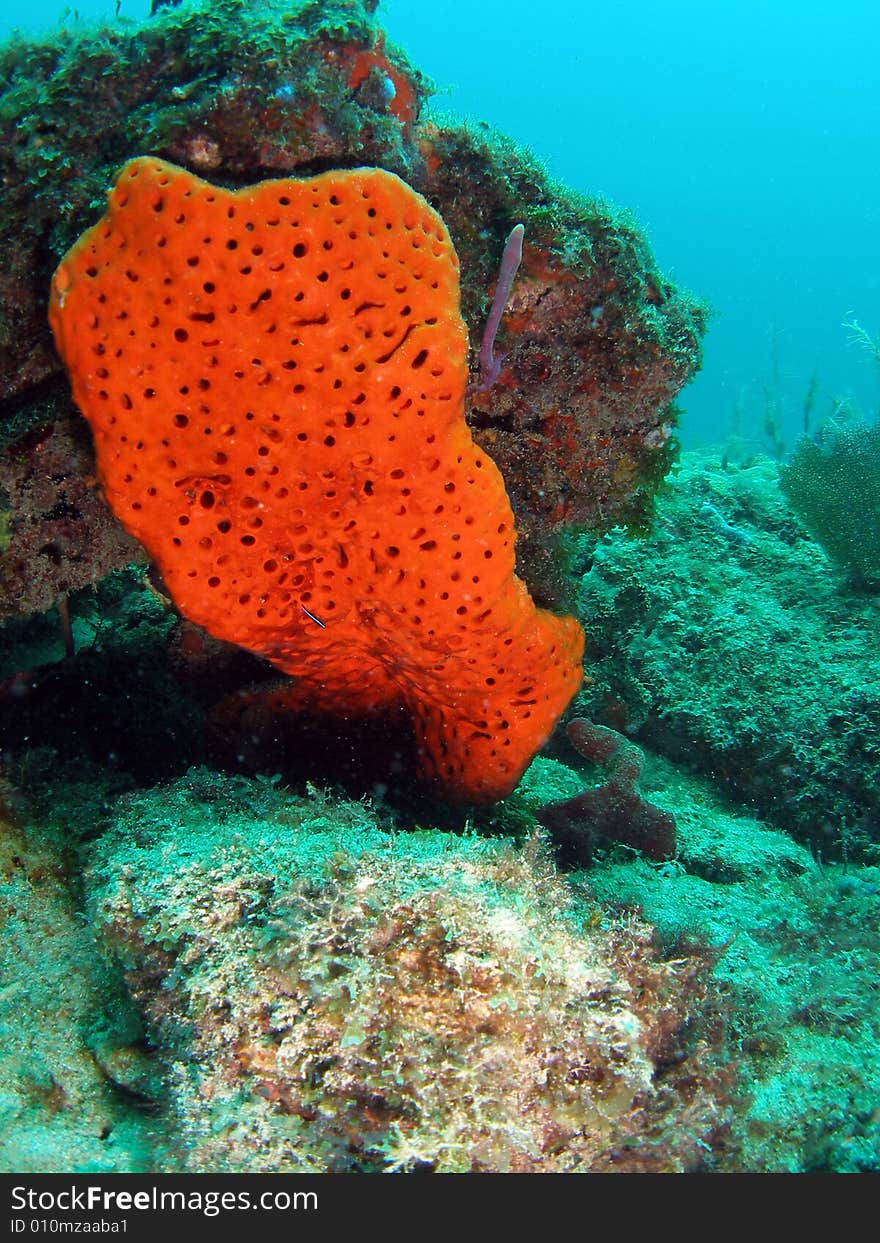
[75, 1077]
[798, 949]
[330, 996]
[724, 640]
[57, 534]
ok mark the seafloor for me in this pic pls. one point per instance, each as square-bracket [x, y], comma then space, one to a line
[208, 971]
[271, 948]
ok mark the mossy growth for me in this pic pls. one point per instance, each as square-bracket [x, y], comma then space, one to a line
[233, 88]
[343, 997]
[74, 105]
[724, 641]
[77, 1083]
[798, 945]
[833, 484]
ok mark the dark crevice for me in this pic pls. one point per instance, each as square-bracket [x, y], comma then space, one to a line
[383, 358]
[308, 323]
[481, 421]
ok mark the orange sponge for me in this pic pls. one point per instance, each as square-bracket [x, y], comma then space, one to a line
[275, 379]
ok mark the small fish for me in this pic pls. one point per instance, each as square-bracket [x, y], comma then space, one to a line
[315, 619]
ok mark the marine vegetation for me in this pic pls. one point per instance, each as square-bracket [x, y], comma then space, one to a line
[833, 484]
[725, 642]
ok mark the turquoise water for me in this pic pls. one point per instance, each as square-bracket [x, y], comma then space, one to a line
[745, 138]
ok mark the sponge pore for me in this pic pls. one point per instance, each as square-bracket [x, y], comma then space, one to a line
[275, 380]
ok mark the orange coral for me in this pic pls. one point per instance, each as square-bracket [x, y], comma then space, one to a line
[275, 379]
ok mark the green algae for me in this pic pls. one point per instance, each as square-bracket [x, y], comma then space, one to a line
[798, 947]
[794, 942]
[389, 988]
[794, 936]
[725, 637]
[76, 1078]
[63, 154]
[833, 484]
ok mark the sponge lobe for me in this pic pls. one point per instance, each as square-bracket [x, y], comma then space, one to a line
[275, 379]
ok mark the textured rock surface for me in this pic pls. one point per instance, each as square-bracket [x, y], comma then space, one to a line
[333, 998]
[71, 1053]
[56, 533]
[725, 640]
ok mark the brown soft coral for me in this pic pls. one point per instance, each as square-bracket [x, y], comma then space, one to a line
[616, 810]
[275, 378]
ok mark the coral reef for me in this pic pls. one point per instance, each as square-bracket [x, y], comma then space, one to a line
[833, 485]
[280, 931]
[614, 810]
[596, 345]
[208, 972]
[316, 498]
[320, 991]
[598, 342]
[724, 641]
[246, 88]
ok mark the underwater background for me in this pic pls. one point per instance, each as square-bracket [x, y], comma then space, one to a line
[249, 927]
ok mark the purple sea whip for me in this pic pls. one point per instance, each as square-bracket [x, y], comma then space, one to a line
[490, 364]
